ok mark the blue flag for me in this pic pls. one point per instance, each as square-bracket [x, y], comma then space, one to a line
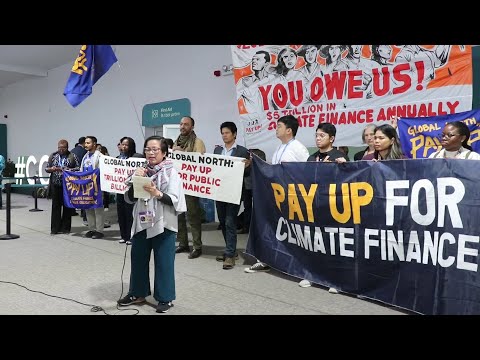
[92, 63]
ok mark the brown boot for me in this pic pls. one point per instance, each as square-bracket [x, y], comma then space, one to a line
[228, 263]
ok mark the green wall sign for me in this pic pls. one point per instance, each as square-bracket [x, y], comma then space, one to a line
[167, 112]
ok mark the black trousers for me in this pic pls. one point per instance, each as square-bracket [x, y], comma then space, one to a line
[125, 217]
[61, 215]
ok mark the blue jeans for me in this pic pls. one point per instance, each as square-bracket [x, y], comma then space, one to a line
[163, 246]
[227, 215]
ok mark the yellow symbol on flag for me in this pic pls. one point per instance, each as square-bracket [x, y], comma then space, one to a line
[79, 65]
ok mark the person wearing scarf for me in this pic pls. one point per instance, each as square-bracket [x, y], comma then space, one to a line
[154, 228]
[62, 159]
[189, 142]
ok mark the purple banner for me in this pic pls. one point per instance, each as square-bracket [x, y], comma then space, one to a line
[81, 190]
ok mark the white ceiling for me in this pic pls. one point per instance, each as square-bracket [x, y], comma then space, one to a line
[20, 62]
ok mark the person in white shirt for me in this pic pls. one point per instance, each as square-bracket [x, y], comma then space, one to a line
[454, 139]
[289, 150]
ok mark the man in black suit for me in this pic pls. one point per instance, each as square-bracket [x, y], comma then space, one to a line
[227, 213]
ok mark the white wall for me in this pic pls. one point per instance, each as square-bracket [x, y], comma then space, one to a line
[39, 115]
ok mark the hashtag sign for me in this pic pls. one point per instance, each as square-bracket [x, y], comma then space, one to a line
[20, 171]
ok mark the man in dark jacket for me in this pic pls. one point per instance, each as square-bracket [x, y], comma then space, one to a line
[227, 212]
[79, 149]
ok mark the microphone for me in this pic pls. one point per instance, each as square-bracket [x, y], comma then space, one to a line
[128, 181]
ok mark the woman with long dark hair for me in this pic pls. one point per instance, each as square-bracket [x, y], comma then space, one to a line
[386, 144]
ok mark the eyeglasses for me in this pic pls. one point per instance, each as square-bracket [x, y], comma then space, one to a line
[154, 150]
[448, 136]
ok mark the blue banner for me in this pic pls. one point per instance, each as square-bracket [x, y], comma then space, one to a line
[81, 190]
[420, 136]
[91, 64]
[364, 229]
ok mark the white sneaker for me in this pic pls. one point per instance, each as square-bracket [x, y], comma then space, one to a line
[333, 291]
[121, 241]
[304, 283]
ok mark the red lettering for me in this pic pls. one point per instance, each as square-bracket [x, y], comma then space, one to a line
[369, 115]
[404, 78]
[264, 91]
[244, 47]
[306, 120]
[335, 84]
[452, 106]
[280, 97]
[377, 90]
[321, 117]
[296, 98]
[316, 89]
[354, 80]
[422, 110]
[420, 71]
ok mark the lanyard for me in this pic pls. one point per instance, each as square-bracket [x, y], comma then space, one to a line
[281, 155]
[62, 160]
[87, 161]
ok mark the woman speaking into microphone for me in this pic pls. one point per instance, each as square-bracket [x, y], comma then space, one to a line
[155, 227]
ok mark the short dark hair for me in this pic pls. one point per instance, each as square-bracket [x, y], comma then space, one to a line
[93, 138]
[265, 54]
[169, 142]
[229, 125]
[328, 128]
[161, 139]
[290, 122]
[81, 140]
